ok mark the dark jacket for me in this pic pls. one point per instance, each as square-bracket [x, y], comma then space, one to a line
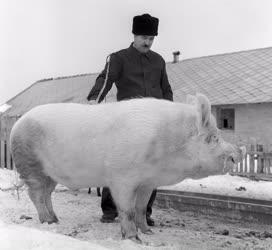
[135, 75]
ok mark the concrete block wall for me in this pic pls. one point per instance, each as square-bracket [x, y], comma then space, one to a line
[253, 124]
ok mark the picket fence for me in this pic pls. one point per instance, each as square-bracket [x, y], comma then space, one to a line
[5, 157]
[6, 123]
[256, 165]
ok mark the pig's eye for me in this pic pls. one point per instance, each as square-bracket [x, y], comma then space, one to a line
[212, 138]
[215, 138]
[208, 139]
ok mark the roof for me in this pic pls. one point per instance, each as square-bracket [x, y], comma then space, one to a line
[232, 78]
[53, 90]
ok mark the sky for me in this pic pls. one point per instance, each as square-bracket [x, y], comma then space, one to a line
[51, 38]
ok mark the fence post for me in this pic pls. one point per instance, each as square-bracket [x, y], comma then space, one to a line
[241, 167]
[8, 154]
[260, 163]
[5, 154]
[246, 165]
[2, 157]
[266, 164]
[251, 163]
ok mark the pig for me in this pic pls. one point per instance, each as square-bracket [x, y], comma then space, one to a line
[131, 146]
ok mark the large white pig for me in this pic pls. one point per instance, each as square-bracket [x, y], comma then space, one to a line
[131, 147]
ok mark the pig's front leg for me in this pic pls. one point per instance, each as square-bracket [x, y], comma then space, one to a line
[143, 195]
[125, 202]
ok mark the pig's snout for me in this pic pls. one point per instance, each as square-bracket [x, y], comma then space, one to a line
[234, 158]
[238, 156]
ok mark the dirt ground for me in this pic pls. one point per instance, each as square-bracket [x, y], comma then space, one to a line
[79, 215]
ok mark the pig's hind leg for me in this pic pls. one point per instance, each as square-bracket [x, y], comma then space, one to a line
[49, 188]
[39, 185]
[30, 166]
[41, 197]
[125, 199]
[142, 197]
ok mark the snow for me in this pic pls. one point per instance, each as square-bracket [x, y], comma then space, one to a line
[80, 228]
[14, 236]
[8, 178]
[4, 107]
[227, 185]
[18, 238]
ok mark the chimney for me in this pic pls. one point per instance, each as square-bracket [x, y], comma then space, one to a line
[176, 56]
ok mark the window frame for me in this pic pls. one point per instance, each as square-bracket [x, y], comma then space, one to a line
[220, 120]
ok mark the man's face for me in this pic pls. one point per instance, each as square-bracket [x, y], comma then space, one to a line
[143, 43]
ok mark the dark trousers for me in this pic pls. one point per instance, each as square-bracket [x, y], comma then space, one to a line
[109, 209]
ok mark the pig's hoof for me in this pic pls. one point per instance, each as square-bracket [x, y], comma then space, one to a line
[145, 229]
[49, 220]
[148, 231]
[136, 239]
[55, 220]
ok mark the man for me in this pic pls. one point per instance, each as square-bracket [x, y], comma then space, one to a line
[137, 72]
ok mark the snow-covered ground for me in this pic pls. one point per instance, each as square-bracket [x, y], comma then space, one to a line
[227, 185]
[80, 228]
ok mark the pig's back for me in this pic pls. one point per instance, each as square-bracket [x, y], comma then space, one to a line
[72, 116]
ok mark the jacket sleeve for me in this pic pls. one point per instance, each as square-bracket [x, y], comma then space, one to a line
[166, 88]
[115, 68]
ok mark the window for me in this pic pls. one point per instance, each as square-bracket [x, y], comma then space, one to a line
[225, 118]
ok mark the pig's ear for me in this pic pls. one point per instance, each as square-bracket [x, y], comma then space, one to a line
[191, 99]
[204, 109]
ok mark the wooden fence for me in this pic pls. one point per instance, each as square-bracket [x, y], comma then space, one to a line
[256, 165]
[6, 123]
[5, 157]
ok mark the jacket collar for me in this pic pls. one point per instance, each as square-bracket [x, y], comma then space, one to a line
[135, 52]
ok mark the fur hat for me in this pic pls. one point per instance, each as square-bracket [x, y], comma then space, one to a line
[145, 25]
